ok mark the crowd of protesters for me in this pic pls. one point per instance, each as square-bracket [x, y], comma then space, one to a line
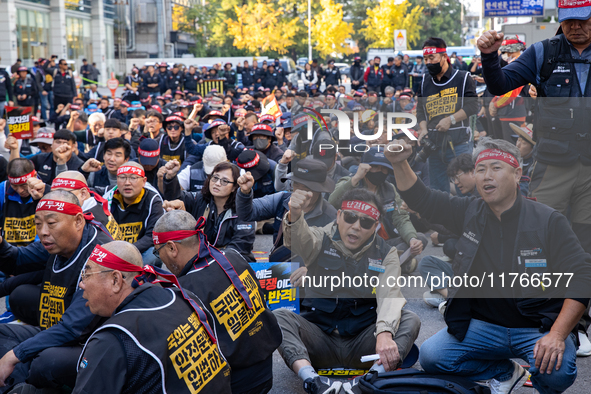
[128, 223]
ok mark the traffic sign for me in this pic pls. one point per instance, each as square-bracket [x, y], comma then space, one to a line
[112, 84]
[400, 40]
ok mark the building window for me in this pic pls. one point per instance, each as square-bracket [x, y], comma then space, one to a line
[78, 37]
[32, 32]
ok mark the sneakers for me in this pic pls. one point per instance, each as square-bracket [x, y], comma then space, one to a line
[322, 385]
[584, 349]
[442, 307]
[409, 267]
[6, 317]
[433, 299]
[519, 377]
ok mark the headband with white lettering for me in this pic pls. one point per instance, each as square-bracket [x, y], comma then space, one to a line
[70, 184]
[149, 153]
[497, 154]
[433, 50]
[131, 170]
[64, 207]
[362, 207]
[21, 180]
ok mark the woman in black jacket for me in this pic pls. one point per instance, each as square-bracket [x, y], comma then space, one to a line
[217, 203]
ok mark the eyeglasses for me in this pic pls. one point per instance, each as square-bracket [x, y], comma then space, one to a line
[173, 127]
[84, 274]
[456, 178]
[156, 252]
[131, 179]
[364, 221]
[223, 181]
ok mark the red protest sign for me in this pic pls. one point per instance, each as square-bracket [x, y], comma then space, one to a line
[20, 122]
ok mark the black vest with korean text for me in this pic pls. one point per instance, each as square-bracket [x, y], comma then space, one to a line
[164, 325]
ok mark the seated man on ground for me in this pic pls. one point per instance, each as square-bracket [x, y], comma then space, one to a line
[117, 151]
[345, 323]
[120, 356]
[397, 228]
[136, 206]
[248, 334]
[503, 233]
[56, 314]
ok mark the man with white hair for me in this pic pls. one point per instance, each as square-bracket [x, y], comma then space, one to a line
[156, 339]
[504, 235]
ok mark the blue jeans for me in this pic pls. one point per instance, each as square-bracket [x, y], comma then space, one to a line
[44, 105]
[485, 352]
[438, 169]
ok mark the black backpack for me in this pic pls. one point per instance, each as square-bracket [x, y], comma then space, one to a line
[413, 381]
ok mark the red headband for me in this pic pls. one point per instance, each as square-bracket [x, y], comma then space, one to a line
[72, 184]
[363, 207]
[497, 154]
[59, 206]
[147, 153]
[103, 257]
[131, 170]
[251, 163]
[162, 238]
[433, 50]
[261, 126]
[509, 42]
[21, 180]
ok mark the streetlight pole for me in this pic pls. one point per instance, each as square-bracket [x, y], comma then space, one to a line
[309, 31]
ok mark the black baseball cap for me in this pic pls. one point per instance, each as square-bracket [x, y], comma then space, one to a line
[313, 174]
[254, 161]
[149, 152]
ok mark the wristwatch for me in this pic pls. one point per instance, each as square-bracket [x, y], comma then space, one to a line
[453, 119]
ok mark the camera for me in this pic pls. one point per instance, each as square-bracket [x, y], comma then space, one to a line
[428, 148]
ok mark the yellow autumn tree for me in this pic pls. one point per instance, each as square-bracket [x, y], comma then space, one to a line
[259, 27]
[329, 31]
[390, 15]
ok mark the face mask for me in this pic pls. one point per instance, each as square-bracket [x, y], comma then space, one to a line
[434, 69]
[376, 178]
[260, 143]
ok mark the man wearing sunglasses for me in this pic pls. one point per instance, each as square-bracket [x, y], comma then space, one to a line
[136, 206]
[397, 229]
[344, 321]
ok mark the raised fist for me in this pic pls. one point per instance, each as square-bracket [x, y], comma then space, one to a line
[394, 155]
[297, 203]
[175, 205]
[246, 182]
[91, 165]
[11, 143]
[172, 168]
[287, 156]
[62, 154]
[36, 188]
[490, 41]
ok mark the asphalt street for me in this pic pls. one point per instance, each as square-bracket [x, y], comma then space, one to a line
[286, 382]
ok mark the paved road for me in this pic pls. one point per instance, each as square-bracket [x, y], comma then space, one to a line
[286, 382]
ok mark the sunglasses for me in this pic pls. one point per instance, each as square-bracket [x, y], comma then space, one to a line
[173, 127]
[365, 222]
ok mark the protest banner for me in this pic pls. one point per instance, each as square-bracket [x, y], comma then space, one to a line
[20, 122]
[277, 289]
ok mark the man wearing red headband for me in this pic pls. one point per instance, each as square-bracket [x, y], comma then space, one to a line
[136, 206]
[17, 207]
[247, 330]
[344, 322]
[503, 235]
[446, 99]
[55, 312]
[140, 348]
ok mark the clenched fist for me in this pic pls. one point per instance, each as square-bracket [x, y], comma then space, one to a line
[91, 165]
[175, 205]
[11, 143]
[393, 153]
[490, 41]
[62, 154]
[172, 168]
[297, 203]
[246, 182]
[36, 188]
[287, 157]
[362, 170]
